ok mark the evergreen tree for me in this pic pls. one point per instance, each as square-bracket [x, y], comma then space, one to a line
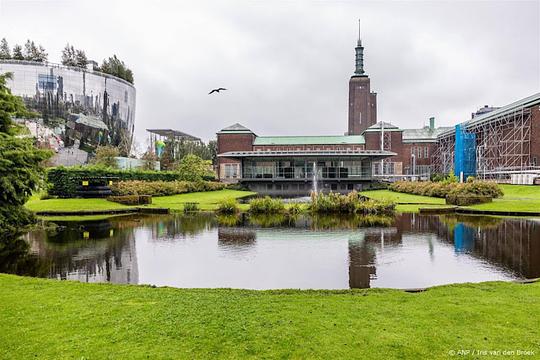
[80, 58]
[68, 56]
[20, 163]
[5, 54]
[18, 53]
[116, 67]
[41, 55]
[34, 53]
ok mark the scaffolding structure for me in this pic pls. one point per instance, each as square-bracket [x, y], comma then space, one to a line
[503, 145]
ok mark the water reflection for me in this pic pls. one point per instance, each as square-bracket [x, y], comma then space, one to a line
[281, 252]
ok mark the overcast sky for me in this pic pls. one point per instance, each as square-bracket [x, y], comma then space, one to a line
[287, 63]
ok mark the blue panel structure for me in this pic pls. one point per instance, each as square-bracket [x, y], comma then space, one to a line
[465, 153]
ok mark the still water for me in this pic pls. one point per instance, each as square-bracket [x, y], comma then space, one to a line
[202, 251]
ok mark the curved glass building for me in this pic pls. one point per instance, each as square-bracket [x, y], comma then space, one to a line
[85, 107]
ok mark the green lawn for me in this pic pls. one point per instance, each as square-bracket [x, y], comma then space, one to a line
[402, 198]
[516, 198]
[207, 201]
[59, 319]
[72, 205]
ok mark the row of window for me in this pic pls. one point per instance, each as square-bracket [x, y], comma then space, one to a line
[420, 152]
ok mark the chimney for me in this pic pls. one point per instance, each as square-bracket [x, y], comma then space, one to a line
[431, 123]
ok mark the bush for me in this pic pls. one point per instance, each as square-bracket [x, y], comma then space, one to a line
[466, 200]
[131, 199]
[294, 209]
[266, 205]
[193, 168]
[64, 181]
[228, 206]
[106, 156]
[352, 203]
[444, 188]
[163, 188]
[191, 207]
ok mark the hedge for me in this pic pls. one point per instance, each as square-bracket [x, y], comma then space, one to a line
[443, 189]
[466, 200]
[163, 188]
[64, 181]
[131, 199]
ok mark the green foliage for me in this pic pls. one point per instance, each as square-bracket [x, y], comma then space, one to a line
[64, 181]
[202, 150]
[131, 199]
[32, 52]
[193, 168]
[5, 53]
[21, 172]
[149, 159]
[448, 187]
[163, 188]
[227, 206]
[294, 209]
[266, 205]
[191, 207]
[351, 203]
[17, 53]
[74, 57]
[106, 156]
[116, 67]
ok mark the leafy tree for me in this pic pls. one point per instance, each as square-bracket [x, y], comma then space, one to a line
[68, 56]
[105, 156]
[20, 163]
[73, 57]
[18, 53]
[149, 159]
[34, 53]
[80, 58]
[193, 168]
[116, 67]
[4, 50]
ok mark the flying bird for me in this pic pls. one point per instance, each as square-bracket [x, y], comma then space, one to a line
[216, 90]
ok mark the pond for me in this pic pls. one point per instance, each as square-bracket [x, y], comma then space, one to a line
[204, 251]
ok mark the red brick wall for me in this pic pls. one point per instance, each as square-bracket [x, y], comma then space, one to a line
[360, 117]
[232, 142]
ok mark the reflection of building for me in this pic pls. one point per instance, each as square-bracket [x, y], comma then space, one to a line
[82, 104]
[94, 252]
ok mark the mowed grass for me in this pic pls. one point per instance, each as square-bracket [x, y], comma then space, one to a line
[516, 198]
[402, 198]
[524, 198]
[59, 319]
[207, 200]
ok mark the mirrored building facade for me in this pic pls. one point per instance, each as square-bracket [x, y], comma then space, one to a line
[86, 107]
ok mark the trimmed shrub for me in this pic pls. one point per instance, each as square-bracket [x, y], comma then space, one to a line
[163, 188]
[228, 206]
[466, 200]
[266, 205]
[64, 181]
[444, 188]
[131, 199]
[352, 203]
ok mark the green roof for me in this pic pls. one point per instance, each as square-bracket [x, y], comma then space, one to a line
[309, 140]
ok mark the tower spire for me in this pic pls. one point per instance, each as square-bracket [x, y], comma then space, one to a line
[359, 58]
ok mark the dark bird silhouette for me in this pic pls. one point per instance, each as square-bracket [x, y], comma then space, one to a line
[216, 90]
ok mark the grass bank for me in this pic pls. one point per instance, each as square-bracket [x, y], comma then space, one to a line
[59, 319]
[516, 198]
[207, 200]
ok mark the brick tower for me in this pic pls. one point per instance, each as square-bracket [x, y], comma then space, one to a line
[362, 102]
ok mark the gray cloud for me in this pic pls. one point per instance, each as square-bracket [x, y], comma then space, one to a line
[287, 63]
